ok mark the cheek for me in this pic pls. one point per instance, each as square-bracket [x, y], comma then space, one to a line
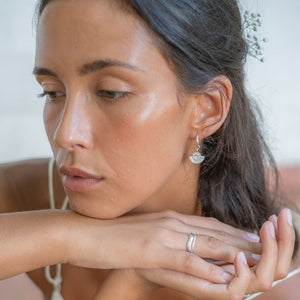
[148, 143]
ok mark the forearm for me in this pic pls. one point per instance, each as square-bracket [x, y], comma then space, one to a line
[124, 284]
[30, 240]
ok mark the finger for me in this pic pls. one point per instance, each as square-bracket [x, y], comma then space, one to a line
[181, 282]
[201, 288]
[212, 223]
[238, 286]
[229, 268]
[286, 240]
[273, 219]
[223, 236]
[185, 262]
[208, 247]
[266, 267]
[192, 220]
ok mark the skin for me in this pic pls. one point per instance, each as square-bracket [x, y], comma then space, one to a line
[147, 120]
[116, 139]
[28, 193]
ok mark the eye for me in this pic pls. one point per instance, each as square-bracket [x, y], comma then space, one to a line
[51, 95]
[111, 95]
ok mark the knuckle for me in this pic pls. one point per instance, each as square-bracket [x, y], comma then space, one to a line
[169, 213]
[224, 236]
[188, 262]
[265, 285]
[236, 296]
[213, 271]
[147, 244]
[280, 274]
[160, 233]
[169, 222]
[157, 235]
[213, 243]
[212, 220]
[251, 247]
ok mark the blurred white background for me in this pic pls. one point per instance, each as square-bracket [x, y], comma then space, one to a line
[273, 83]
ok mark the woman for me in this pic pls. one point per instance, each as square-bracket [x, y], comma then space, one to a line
[137, 94]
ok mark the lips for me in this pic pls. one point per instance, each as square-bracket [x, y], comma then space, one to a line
[78, 180]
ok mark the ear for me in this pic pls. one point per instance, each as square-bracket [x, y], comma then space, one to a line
[211, 107]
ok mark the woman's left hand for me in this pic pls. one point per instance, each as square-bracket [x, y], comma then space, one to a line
[277, 237]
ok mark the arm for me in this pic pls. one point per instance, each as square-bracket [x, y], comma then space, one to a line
[30, 240]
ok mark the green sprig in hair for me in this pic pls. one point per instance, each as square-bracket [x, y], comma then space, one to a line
[252, 22]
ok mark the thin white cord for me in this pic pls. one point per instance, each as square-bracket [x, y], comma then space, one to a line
[291, 274]
[65, 203]
[57, 280]
[50, 183]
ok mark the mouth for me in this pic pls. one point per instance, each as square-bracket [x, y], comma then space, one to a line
[77, 180]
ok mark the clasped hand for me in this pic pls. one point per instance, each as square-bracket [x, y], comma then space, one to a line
[151, 248]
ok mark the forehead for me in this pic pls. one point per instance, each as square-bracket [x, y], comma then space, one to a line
[93, 29]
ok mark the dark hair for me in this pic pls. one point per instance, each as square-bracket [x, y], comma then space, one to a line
[203, 39]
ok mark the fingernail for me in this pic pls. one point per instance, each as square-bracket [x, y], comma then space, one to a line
[289, 216]
[272, 230]
[252, 237]
[274, 221]
[255, 257]
[242, 258]
[227, 277]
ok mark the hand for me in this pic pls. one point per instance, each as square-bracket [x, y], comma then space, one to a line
[276, 255]
[158, 240]
[273, 265]
[276, 252]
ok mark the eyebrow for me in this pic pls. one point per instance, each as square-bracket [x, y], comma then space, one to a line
[91, 67]
[43, 71]
[105, 63]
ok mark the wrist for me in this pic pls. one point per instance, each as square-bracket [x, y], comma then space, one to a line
[59, 232]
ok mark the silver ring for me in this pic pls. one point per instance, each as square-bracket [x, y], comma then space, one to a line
[191, 243]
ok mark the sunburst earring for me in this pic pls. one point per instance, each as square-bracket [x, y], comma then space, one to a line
[197, 158]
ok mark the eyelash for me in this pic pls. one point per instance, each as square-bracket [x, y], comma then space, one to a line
[51, 95]
[109, 96]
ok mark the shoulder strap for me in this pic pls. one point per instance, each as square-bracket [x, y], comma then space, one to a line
[51, 188]
[57, 280]
[50, 183]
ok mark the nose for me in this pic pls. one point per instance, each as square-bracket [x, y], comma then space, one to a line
[74, 128]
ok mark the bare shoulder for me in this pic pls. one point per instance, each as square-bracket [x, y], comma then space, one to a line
[24, 185]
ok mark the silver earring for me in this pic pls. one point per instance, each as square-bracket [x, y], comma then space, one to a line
[197, 158]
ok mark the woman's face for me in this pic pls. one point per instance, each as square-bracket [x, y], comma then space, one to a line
[117, 131]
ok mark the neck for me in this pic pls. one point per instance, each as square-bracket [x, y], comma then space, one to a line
[180, 193]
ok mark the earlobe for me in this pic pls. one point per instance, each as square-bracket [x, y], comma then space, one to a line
[211, 107]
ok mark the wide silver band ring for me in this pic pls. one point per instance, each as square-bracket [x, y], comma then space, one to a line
[191, 243]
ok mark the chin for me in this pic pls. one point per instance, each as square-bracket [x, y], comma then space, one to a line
[104, 213]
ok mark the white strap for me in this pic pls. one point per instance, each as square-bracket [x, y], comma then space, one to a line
[51, 187]
[50, 183]
[57, 280]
